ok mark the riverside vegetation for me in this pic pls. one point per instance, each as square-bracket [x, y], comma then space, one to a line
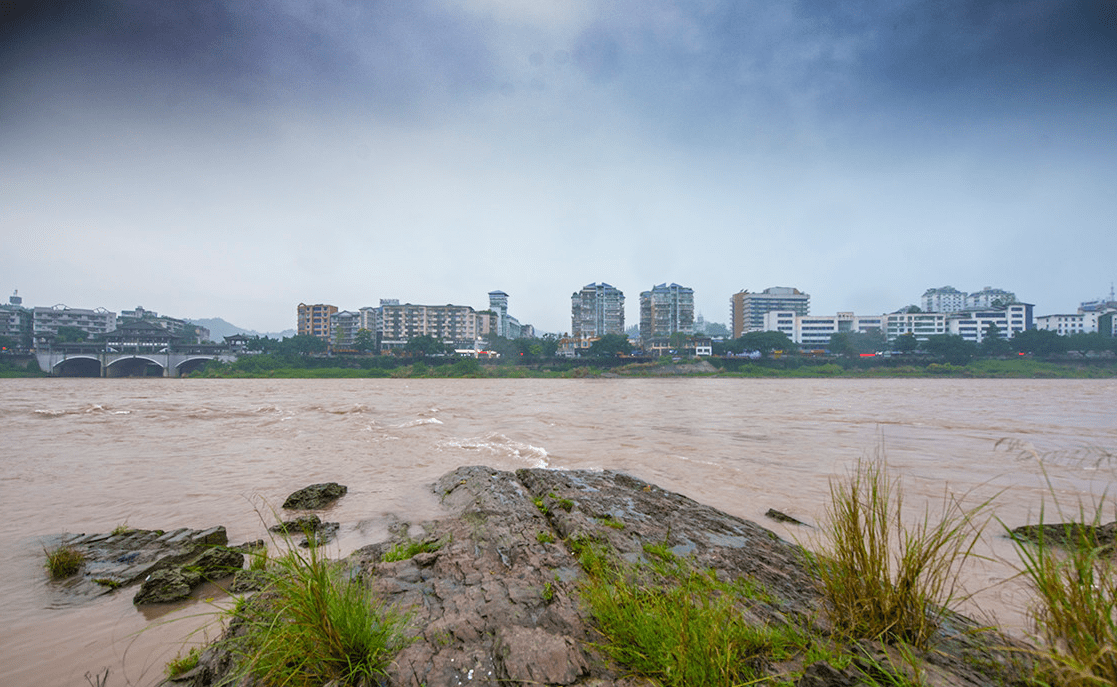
[664, 602]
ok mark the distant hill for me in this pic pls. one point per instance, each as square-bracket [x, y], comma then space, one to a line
[219, 329]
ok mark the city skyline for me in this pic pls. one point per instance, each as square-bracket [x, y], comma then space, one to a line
[219, 159]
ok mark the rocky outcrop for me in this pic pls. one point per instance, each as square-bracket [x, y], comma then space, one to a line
[494, 593]
[126, 557]
[316, 496]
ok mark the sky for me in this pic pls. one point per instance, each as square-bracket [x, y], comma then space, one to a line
[235, 158]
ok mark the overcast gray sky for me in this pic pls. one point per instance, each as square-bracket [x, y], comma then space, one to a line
[231, 159]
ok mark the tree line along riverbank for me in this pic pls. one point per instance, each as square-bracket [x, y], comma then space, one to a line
[271, 365]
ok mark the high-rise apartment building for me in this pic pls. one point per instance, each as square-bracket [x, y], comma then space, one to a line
[666, 310]
[596, 310]
[315, 319]
[943, 299]
[748, 309]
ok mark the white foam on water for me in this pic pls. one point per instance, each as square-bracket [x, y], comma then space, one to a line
[501, 446]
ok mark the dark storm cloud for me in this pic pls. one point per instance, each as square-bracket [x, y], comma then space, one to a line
[384, 56]
[837, 62]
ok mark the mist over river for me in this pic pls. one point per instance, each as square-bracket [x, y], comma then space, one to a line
[87, 455]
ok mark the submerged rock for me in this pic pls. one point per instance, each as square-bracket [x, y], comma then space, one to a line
[316, 496]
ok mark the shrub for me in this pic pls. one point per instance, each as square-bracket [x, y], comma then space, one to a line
[313, 624]
[63, 561]
[882, 577]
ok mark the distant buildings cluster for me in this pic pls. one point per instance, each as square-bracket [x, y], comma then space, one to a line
[668, 320]
[42, 325]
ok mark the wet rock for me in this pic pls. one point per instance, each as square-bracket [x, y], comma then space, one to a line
[1068, 534]
[299, 525]
[122, 559]
[781, 517]
[218, 562]
[316, 496]
[164, 586]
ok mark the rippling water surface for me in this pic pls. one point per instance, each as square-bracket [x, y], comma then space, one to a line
[87, 455]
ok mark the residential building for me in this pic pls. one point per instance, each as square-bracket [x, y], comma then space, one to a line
[748, 309]
[498, 303]
[943, 299]
[596, 310]
[458, 325]
[16, 321]
[46, 321]
[180, 328]
[314, 320]
[344, 325]
[666, 310]
[990, 298]
[814, 331]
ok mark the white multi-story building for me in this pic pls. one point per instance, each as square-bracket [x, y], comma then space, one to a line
[922, 325]
[1065, 325]
[46, 321]
[814, 331]
[990, 298]
[344, 326]
[943, 299]
[972, 325]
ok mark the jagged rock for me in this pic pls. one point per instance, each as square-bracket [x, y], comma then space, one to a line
[323, 535]
[164, 586]
[218, 562]
[316, 496]
[299, 525]
[126, 558]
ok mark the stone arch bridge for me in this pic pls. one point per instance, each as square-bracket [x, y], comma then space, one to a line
[100, 362]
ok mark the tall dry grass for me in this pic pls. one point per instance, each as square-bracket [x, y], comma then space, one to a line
[882, 576]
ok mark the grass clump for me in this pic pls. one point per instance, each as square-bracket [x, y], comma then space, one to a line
[63, 561]
[544, 537]
[182, 664]
[409, 549]
[675, 624]
[882, 577]
[1074, 576]
[314, 624]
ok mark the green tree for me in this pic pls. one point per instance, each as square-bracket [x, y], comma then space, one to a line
[425, 345]
[766, 342]
[841, 343]
[364, 341]
[70, 334]
[610, 345]
[951, 348]
[301, 344]
[906, 343]
[8, 343]
[992, 345]
[1041, 342]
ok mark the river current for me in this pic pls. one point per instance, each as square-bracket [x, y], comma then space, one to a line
[88, 455]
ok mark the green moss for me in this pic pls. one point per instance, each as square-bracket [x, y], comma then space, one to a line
[182, 664]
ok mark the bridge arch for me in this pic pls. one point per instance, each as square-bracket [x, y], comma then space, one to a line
[134, 366]
[77, 366]
[192, 364]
